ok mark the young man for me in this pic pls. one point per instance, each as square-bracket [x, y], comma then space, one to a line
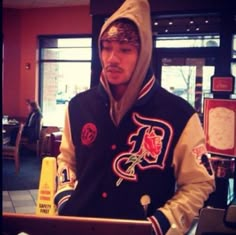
[130, 149]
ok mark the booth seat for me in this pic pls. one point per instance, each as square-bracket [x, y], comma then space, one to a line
[55, 143]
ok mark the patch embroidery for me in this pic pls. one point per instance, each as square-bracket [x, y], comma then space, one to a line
[65, 177]
[149, 148]
[89, 134]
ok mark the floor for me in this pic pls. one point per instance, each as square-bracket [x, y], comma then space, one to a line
[20, 201]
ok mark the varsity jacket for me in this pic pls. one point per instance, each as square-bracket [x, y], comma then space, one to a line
[150, 144]
[159, 140]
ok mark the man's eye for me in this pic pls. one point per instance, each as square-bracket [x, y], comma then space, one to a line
[125, 50]
[106, 48]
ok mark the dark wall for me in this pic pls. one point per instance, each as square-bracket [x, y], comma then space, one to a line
[103, 7]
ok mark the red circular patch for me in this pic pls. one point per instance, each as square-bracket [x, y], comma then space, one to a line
[104, 195]
[89, 133]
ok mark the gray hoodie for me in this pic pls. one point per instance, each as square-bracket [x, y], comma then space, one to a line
[137, 11]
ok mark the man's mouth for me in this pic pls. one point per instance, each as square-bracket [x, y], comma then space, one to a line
[112, 69]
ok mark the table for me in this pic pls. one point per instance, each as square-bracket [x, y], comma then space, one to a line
[5, 138]
[7, 129]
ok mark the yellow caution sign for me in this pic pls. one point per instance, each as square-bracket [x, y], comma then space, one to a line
[47, 187]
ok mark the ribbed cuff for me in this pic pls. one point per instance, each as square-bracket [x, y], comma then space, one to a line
[160, 223]
[61, 198]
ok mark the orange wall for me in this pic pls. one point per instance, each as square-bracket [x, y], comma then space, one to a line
[11, 62]
[20, 31]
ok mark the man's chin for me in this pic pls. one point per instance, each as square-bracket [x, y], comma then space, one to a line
[113, 80]
[112, 83]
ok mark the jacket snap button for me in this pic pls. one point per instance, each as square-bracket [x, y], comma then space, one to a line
[113, 147]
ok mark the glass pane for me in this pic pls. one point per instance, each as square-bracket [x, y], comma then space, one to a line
[234, 47]
[54, 42]
[233, 71]
[183, 42]
[61, 82]
[208, 71]
[75, 42]
[67, 54]
[188, 78]
[179, 80]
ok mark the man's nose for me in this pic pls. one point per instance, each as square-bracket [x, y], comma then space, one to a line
[114, 57]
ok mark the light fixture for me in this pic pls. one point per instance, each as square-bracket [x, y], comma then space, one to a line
[191, 21]
[170, 22]
[206, 20]
[27, 66]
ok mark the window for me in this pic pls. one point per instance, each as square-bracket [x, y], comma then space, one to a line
[187, 41]
[187, 68]
[65, 70]
[183, 80]
[233, 64]
[234, 47]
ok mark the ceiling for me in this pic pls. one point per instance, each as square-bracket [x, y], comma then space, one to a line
[26, 4]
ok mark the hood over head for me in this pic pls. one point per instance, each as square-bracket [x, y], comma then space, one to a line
[132, 23]
[122, 30]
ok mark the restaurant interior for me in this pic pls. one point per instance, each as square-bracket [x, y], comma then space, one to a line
[194, 56]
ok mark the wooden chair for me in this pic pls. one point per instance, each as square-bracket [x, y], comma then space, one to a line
[55, 143]
[45, 140]
[12, 152]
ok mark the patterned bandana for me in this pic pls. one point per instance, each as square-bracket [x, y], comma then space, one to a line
[122, 30]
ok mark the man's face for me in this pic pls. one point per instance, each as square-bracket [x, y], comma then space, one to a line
[119, 60]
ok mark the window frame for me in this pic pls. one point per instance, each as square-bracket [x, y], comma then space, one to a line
[41, 60]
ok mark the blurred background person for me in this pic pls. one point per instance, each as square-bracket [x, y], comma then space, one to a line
[32, 125]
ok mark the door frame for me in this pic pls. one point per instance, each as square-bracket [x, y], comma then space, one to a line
[160, 53]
